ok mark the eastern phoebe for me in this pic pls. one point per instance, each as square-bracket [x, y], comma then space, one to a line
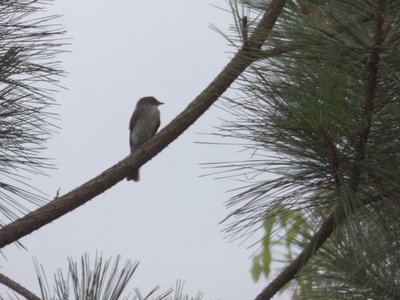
[143, 126]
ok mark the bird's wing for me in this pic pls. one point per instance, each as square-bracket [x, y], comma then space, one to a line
[134, 119]
[157, 126]
[132, 123]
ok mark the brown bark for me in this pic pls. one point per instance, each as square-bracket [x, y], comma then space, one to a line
[16, 287]
[79, 196]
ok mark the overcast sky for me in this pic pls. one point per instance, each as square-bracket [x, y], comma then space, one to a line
[120, 51]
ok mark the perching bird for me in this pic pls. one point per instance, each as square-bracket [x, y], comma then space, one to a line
[143, 126]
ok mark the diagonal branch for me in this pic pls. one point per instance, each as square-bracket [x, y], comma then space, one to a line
[79, 196]
[295, 266]
[16, 287]
[338, 217]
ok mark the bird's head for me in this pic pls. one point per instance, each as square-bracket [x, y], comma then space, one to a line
[148, 101]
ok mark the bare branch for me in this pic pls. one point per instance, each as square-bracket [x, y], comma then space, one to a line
[94, 187]
[16, 287]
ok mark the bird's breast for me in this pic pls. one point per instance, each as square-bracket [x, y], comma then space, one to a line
[146, 125]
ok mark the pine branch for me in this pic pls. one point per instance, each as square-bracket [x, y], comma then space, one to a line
[94, 187]
[29, 72]
[279, 50]
[16, 287]
[372, 68]
[296, 265]
[339, 216]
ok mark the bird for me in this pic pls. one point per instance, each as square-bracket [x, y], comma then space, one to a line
[143, 126]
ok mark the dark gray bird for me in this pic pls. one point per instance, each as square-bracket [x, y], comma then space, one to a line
[143, 126]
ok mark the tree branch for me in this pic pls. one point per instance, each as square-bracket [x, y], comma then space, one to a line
[94, 187]
[8, 282]
[295, 266]
[338, 217]
[372, 68]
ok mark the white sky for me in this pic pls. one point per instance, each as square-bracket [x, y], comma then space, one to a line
[122, 50]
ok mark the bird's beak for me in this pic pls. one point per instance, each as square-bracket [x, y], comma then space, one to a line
[160, 103]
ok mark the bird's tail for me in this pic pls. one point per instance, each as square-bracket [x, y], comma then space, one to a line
[135, 176]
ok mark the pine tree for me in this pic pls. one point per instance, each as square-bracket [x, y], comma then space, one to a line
[320, 112]
[29, 74]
